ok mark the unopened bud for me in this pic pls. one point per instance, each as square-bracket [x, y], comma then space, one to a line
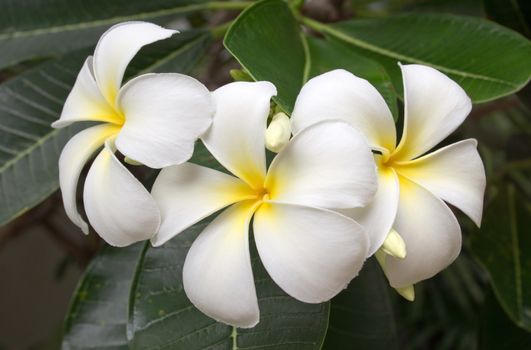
[240, 75]
[278, 132]
[407, 293]
[394, 245]
[131, 161]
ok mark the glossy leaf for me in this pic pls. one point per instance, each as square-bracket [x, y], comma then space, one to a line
[503, 246]
[473, 52]
[37, 28]
[362, 315]
[161, 316]
[30, 148]
[267, 42]
[98, 312]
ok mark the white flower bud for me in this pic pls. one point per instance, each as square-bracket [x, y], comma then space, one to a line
[278, 132]
[394, 245]
[407, 293]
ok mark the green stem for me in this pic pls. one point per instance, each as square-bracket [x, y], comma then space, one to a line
[228, 5]
[219, 31]
[313, 24]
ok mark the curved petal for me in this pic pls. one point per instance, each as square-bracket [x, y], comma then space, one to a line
[85, 101]
[115, 49]
[217, 274]
[327, 165]
[339, 94]
[312, 254]
[378, 216]
[431, 233]
[237, 136]
[75, 154]
[454, 173]
[164, 115]
[119, 208]
[188, 193]
[434, 105]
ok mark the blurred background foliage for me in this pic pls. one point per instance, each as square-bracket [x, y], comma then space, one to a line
[482, 301]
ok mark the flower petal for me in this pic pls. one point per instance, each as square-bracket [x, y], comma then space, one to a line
[119, 208]
[217, 274]
[75, 154]
[312, 254]
[237, 136]
[378, 216]
[85, 101]
[454, 173]
[188, 193]
[164, 116]
[115, 49]
[339, 94]
[435, 106]
[327, 165]
[431, 232]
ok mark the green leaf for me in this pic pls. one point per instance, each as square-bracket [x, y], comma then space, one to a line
[332, 54]
[362, 315]
[498, 331]
[98, 312]
[37, 28]
[503, 246]
[266, 40]
[515, 14]
[30, 148]
[161, 316]
[487, 60]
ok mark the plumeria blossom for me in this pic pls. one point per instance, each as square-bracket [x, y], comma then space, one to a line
[412, 184]
[309, 251]
[153, 119]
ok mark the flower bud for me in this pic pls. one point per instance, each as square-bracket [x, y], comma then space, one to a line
[394, 245]
[278, 132]
[407, 293]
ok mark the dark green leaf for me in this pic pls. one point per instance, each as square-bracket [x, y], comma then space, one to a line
[36, 28]
[503, 246]
[332, 54]
[98, 313]
[361, 317]
[515, 14]
[498, 331]
[266, 40]
[162, 317]
[30, 148]
[487, 60]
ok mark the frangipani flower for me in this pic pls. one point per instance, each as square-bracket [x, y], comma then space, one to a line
[411, 184]
[310, 252]
[153, 119]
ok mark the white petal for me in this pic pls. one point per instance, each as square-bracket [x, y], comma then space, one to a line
[217, 273]
[378, 216]
[164, 116]
[454, 173]
[115, 49]
[73, 158]
[188, 193]
[237, 136]
[119, 208]
[312, 254]
[431, 232]
[327, 165]
[434, 105]
[341, 95]
[85, 101]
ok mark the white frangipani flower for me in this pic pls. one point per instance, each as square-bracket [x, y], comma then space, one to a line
[154, 119]
[310, 252]
[411, 184]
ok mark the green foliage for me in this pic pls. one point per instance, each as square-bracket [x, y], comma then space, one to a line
[467, 49]
[504, 247]
[161, 316]
[98, 314]
[30, 148]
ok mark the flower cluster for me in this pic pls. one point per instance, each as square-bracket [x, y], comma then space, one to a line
[337, 192]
